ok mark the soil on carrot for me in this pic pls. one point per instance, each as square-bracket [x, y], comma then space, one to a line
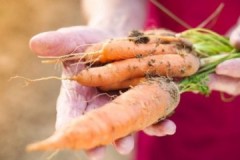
[167, 84]
[139, 55]
[138, 37]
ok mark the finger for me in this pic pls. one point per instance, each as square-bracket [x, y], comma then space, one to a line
[235, 38]
[166, 127]
[224, 84]
[229, 68]
[124, 145]
[74, 99]
[96, 153]
[65, 40]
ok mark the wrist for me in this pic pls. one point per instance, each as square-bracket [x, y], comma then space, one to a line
[117, 17]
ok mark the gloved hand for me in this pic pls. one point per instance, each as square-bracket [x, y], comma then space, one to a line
[75, 99]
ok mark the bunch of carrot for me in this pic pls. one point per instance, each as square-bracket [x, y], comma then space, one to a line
[155, 67]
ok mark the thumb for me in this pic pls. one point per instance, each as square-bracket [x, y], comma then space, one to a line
[235, 38]
[229, 68]
[65, 40]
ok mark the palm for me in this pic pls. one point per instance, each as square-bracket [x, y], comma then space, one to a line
[74, 99]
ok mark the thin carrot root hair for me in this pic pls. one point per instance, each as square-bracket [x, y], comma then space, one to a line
[101, 94]
[29, 80]
[226, 98]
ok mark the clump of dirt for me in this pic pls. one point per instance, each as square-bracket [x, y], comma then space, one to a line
[138, 37]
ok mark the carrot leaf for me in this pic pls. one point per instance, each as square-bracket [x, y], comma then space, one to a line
[212, 49]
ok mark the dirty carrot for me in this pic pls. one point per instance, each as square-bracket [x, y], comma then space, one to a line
[114, 50]
[137, 44]
[130, 112]
[170, 65]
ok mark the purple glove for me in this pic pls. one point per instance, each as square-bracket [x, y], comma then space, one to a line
[75, 99]
[227, 77]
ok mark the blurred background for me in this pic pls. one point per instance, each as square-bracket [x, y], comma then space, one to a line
[28, 113]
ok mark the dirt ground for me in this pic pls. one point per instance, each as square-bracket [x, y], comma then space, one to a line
[28, 113]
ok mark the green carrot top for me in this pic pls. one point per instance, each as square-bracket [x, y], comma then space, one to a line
[212, 49]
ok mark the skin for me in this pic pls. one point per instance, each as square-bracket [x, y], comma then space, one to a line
[73, 39]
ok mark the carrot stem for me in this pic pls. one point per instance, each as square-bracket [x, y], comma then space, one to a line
[213, 50]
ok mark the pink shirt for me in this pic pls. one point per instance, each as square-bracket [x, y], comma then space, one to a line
[207, 127]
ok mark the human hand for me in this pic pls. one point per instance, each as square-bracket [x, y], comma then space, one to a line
[227, 76]
[75, 99]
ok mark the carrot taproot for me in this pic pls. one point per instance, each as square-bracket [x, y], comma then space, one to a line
[171, 65]
[119, 49]
[123, 85]
[124, 115]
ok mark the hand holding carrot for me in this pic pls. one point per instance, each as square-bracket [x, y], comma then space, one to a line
[192, 58]
[227, 77]
[75, 99]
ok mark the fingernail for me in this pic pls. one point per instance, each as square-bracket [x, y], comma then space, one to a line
[169, 127]
[125, 145]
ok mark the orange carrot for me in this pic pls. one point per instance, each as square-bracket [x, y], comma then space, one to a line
[123, 85]
[171, 65]
[130, 112]
[119, 49]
